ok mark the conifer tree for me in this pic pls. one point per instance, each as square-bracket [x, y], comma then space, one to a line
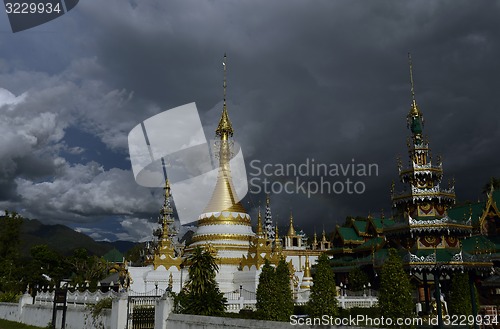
[460, 300]
[323, 300]
[284, 292]
[395, 297]
[266, 293]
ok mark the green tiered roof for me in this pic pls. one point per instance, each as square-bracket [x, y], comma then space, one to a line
[349, 235]
[374, 243]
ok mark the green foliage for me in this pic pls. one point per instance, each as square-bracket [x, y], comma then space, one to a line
[201, 294]
[46, 261]
[274, 294]
[5, 324]
[460, 299]
[266, 291]
[87, 268]
[134, 254]
[9, 297]
[322, 300]
[283, 293]
[395, 297]
[10, 227]
[358, 279]
[96, 311]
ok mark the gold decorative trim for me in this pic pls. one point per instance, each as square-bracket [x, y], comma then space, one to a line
[167, 262]
[207, 237]
[215, 221]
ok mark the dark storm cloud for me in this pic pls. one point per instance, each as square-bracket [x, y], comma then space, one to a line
[326, 80]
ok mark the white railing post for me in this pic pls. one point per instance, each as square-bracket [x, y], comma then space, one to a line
[119, 312]
[164, 307]
[25, 299]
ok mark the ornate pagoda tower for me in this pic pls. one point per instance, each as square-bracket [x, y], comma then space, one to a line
[421, 209]
[224, 226]
[166, 254]
[269, 219]
[428, 239]
[422, 225]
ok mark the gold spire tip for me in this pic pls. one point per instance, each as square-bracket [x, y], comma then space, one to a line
[224, 129]
[410, 63]
[224, 83]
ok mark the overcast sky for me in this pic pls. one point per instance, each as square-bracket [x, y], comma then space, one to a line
[322, 80]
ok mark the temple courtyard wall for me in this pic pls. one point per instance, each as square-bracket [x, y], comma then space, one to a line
[80, 317]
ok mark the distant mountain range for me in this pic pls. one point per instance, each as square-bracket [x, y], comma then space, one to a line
[64, 239]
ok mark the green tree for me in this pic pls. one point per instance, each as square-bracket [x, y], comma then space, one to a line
[10, 230]
[459, 297]
[136, 254]
[283, 295]
[46, 261]
[274, 294]
[10, 264]
[358, 279]
[395, 297]
[87, 269]
[322, 300]
[201, 294]
[266, 293]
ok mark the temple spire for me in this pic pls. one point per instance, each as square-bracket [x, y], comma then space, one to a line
[277, 241]
[269, 219]
[307, 269]
[411, 78]
[224, 197]
[291, 229]
[166, 218]
[260, 231]
[415, 119]
[224, 129]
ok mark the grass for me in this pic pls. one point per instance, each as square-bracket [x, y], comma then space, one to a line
[4, 324]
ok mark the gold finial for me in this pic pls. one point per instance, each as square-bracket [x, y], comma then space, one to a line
[411, 78]
[323, 237]
[224, 129]
[307, 270]
[414, 112]
[291, 229]
[167, 189]
[268, 200]
[259, 224]
[224, 84]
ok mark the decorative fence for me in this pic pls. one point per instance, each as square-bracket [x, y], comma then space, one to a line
[75, 298]
[240, 299]
[243, 299]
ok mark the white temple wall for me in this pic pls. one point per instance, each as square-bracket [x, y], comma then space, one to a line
[248, 279]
